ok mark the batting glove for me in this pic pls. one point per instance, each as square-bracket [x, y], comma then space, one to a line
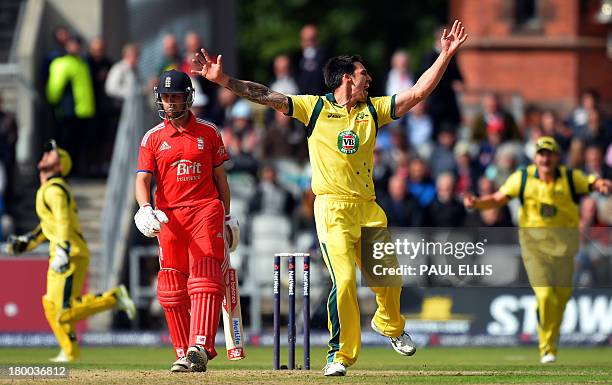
[232, 232]
[61, 260]
[149, 221]
[17, 244]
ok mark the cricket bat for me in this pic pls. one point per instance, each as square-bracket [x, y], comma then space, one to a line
[232, 317]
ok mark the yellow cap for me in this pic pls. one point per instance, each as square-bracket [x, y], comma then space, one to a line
[547, 143]
[65, 161]
[64, 156]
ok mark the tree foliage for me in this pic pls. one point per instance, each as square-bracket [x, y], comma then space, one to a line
[373, 29]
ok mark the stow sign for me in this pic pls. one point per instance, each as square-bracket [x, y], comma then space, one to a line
[516, 314]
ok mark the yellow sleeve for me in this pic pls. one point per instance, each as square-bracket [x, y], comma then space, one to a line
[582, 182]
[35, 238]
[385, 109]
[512, 186]
[301, 107]
[59, 201]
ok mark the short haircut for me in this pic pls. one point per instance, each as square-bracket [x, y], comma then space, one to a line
[338, 66]
[592, 93]
[129, 47]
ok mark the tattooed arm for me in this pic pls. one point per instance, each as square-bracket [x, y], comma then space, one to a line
[213, 70]
[258, 93]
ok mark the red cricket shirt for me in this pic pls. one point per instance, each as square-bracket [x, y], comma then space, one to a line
[182, 162]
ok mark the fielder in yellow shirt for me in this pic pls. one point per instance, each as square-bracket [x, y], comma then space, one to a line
[548, 235]
[69, 256]
[341, 128]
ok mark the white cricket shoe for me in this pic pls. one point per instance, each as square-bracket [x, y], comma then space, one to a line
[181, 365]
[334, 369]
[548, 358]
[125, 303]
[198, 358]
[60, 358]
[402, 344]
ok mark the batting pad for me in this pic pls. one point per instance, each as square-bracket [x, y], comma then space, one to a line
[206, 290]
[173, 297]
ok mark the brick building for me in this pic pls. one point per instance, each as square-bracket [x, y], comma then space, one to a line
[546, 51]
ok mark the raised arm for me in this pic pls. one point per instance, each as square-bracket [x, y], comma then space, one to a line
[450, 43]
[212, 70]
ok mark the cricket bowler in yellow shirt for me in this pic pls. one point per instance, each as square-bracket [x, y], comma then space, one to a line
[63, 303]
[548, 231]
[341, 128]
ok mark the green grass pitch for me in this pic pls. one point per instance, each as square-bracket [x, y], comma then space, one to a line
[376, 365]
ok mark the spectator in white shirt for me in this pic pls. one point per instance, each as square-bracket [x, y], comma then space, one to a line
[284, 82]
[123, 77]
[400, 78]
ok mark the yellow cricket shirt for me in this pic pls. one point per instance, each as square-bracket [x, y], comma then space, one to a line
[548, 204]
[341, 143]
[59, 222]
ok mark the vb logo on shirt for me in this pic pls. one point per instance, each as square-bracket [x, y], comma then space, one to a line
[348, 142]
[548, 211]
[187, 170]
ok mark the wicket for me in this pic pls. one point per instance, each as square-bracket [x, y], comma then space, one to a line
[291, 332]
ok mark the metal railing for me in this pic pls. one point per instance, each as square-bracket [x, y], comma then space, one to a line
[142, 294]
[12, 57]
[119, 202]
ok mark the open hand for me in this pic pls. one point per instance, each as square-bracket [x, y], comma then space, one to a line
[209, 68]
[451, 41]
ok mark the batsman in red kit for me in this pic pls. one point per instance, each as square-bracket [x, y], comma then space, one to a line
[186, 156]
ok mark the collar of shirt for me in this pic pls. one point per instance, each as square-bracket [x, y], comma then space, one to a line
[189, 127]
[557, 173]
[58, 175]
[330, 96]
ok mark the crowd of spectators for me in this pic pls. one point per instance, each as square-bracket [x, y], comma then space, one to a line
[423, 163]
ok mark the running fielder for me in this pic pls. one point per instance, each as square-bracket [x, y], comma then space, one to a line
[548, 234]
[69, 256]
